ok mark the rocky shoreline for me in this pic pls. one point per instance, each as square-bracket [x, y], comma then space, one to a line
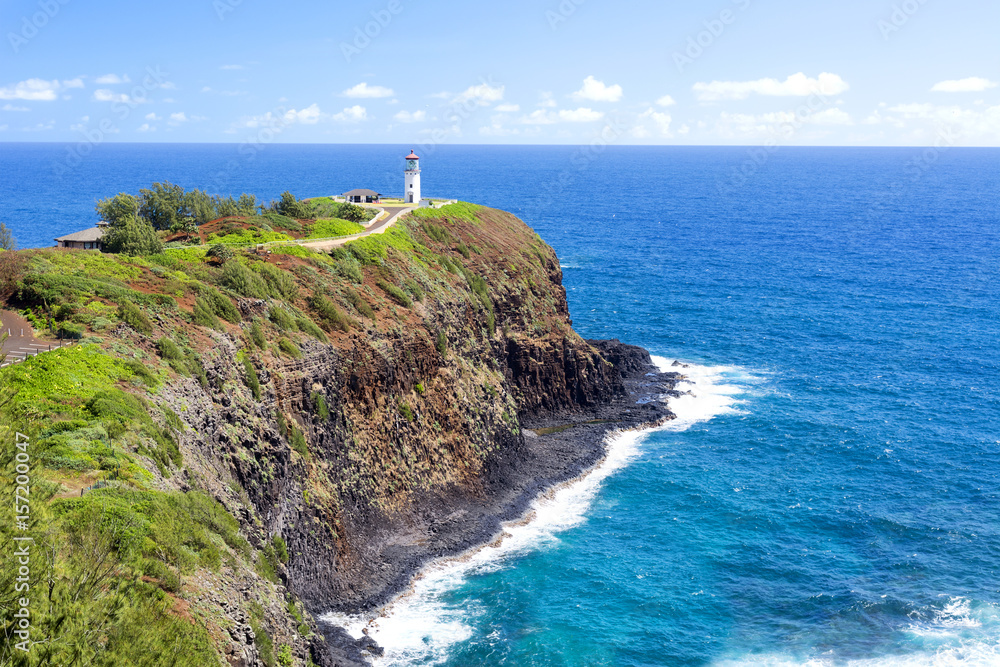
[557, 447]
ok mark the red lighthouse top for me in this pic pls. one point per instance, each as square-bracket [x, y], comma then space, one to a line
[412, 156]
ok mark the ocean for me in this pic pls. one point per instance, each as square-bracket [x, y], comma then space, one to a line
[829, 494]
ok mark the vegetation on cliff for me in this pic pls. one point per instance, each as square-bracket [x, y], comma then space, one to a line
[240, 417]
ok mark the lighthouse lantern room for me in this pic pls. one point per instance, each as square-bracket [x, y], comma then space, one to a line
[412, 193]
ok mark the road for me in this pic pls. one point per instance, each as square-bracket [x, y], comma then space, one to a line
[378, 228]
[21, 343]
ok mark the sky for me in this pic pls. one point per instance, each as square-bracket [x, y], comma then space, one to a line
[715, 72]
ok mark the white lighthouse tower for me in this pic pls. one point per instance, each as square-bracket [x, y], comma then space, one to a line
[412, 193]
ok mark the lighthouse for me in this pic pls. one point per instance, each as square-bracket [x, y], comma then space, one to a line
[412, 193]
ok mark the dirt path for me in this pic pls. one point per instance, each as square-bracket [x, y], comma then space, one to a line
[21, 342]
[378, 228]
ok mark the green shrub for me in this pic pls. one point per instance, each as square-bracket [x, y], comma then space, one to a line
[359, 303]
[290, 348]
[252, 380]
[308, 326]
[203, 314]
[168, 349]
[330, 314]
[243, 281]
[398, 295]
[419, 388]
[283, 319]
[281, 282]
[257, 334]
[140, 371]
[348, 267]
[285, 658]
[130, 314]
[299, 443]
[413, 288]
[322, 411]
[407, 412]
[220, 304]
[280, 549]
[464, 249]
[334, 227]
[442, 343]
[221, 252]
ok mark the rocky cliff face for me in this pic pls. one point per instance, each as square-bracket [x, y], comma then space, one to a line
[412, 420]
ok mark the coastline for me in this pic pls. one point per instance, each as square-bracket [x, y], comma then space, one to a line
[560, 450]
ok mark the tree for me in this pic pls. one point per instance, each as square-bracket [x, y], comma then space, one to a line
[7, 241]
[118, 208]
[198, 205]
[292, 207]
[162, 205]
[132, 235]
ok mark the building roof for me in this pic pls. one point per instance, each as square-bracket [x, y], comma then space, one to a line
[362, 193]
[412, 156]
[86, 236]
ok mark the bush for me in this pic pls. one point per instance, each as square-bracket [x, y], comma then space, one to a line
[252, 381]
[281, 282]
[359, 303]
[322, 411]
[131, 236]
[308, 326]
[221, 252]
[243, 281]
[203, 315]
[442, 343]
[280, 549]
[334, 227]
[291, 207]
[299, 443]
[220, 304]
[330, 314]
[397, 294]
[168, 349]
[130, 314]
[290, 348]
[257, 334]
[407, 412]
[282, 319]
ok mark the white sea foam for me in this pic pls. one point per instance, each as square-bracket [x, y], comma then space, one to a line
[959, 633]
[419, 626]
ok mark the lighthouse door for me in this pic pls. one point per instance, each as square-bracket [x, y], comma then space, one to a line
[411, 198]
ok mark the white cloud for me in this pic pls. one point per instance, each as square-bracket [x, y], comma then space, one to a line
[41, 127]
[3, 128]
[206, 89]
[662, 120]
[508, 108]
[353, 114]
[152, 116]
[831, 116]
[539, 117]
[547, 101]
[231, 67]
[481, 95]
[105, 95]
[179, 117]
[112, 79]
[411, 117]
[37, 90]
[582, 115]
[364, 91]
[168, 85]
[11, 107]
[596, 91]
[146, 127]
[666, 101]
[308, 116]
[973, 84]
[797, 85]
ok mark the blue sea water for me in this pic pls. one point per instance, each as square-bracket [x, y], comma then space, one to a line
[830, 495]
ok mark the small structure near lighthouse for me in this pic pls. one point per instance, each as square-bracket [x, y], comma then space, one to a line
[411, 195]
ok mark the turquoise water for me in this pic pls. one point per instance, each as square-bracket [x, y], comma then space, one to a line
[831, 493]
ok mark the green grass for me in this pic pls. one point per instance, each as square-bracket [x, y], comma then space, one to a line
[398, 295]
[374, 249]
[248, 237]
[461, 211]
[333, 227]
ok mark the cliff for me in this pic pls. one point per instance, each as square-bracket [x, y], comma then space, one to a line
[356, 413]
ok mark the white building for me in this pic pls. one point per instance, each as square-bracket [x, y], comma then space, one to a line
[411, 195]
